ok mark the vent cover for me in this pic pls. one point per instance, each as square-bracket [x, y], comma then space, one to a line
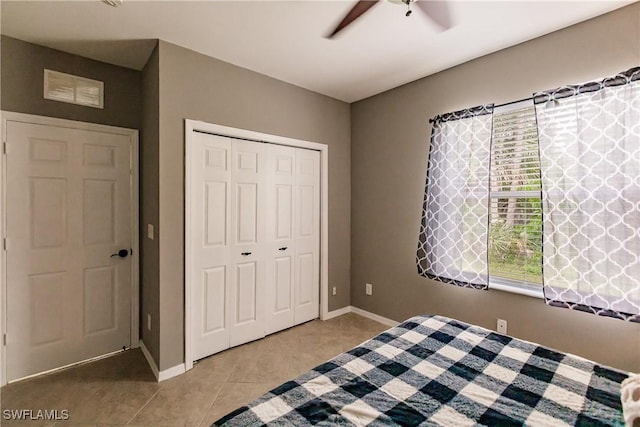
[73, 89]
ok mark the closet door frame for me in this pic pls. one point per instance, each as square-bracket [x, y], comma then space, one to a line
[192, 126]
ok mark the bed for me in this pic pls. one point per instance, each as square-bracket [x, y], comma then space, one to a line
[432, 370]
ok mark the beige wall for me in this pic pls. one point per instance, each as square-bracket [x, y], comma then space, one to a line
[390, 134]
[149, 206]
[22, 72]
[194, 86]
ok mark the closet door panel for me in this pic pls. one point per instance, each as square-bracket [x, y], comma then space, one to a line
[209, 231]
[280, 243]
[307, 236]
[248, 242]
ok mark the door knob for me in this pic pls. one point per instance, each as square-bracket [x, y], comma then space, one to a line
[122, 253]
[284, 248]
[245, 253]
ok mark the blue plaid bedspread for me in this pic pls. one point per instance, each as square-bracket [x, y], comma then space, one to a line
[432, 370]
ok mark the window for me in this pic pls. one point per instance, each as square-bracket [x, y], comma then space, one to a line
[515, 207]
[486, 224]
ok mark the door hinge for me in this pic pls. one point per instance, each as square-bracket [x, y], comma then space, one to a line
[4, 148]
[4, 244]
[4, 339]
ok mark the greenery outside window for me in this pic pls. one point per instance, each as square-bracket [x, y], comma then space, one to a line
[515, 212]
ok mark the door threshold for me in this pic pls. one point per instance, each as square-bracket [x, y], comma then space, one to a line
[71, 365]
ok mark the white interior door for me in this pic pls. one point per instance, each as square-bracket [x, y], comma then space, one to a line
[68, 210]
[279, 295]
[307, 236]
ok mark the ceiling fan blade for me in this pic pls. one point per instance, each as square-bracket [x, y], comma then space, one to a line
[437, 10]
[356, 11]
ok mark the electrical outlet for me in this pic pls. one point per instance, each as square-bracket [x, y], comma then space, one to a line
[150, 231]
[148, 321]
[369, 289]
[334, 291]
[502, 326]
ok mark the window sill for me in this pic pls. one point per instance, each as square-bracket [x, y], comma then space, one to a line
[522, 289]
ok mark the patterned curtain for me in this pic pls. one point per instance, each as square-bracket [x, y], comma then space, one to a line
[452, 246]
[590, 165]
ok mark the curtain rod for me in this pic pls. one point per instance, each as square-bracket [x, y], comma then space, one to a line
[513, 102]
[499, 105]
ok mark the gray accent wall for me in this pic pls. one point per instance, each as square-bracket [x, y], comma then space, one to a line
[194, 86]
[389, 148]
[22, 87]
[149, 206]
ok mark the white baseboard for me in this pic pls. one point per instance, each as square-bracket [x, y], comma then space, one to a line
[373, 316]
[174, 371]
[150, 361]
[361, 312]
[338, 312]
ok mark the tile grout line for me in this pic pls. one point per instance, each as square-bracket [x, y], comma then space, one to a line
[206, 412]
[145, 405]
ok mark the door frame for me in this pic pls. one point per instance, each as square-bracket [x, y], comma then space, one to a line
[8, 116]
[248, 135]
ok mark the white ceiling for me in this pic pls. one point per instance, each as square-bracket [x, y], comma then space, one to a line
[285, 39]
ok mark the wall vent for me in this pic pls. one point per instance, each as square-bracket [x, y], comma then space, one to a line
[73, 89]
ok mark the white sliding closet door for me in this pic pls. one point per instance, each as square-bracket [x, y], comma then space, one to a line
[306, 231]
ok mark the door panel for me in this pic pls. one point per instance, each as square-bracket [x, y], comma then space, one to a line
[48, 212]
[280, 243]
[245, 293]
[100, 299]
[210, 224]
[47, 300]
[284, 268]
[307, 236]
[247, 213]
[68, 209]
[247, 250]
[305, 279]
[215, 218]
[215, 289]
[284, 211]
[99, 211]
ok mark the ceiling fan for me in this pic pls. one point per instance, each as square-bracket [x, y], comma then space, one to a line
[437, 10]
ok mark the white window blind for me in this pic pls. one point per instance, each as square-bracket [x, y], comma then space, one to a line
[515, 214]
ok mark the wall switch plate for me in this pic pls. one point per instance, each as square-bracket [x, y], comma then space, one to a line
[150, 231]
[368, 289]
[334, 291]
[148, 321]
[502, 326]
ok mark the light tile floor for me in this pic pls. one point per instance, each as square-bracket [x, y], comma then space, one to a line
[121, 390]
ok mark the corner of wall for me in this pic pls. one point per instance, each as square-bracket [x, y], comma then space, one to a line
[149, 209]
